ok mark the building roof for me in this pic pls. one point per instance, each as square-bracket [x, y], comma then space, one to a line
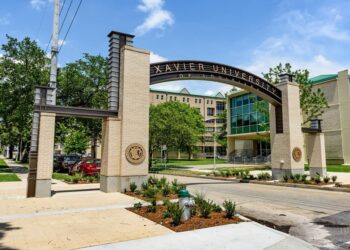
[184, 91]
[323, 78]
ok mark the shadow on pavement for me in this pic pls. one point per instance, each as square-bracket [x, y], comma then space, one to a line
[5, 227]
[73, 190]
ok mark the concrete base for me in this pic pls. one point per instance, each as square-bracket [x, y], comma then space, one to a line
[277, 174]
[109, 184]
[321, 171]
[43, 188]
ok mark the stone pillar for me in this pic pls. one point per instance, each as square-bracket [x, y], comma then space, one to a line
[111, 150]
[125, 141]
[316, 151]
[230, 147]
[45, 155]
[287, 142]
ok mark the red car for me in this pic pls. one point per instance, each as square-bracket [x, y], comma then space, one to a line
[87, 166]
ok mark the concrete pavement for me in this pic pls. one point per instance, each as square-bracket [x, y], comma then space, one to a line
[243, 236]
[320, 217]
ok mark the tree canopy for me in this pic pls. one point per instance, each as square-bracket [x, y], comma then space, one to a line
[312, 101]
[176, 125]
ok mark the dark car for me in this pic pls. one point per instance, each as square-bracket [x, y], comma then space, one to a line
[69, 161]
[87, 166]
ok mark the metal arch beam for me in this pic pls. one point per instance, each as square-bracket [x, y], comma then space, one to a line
[210, 71]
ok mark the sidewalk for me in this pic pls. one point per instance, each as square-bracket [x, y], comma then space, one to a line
[245, 236]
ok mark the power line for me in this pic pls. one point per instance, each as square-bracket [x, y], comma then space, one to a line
[48, 44]
[70, 25]
[65, 16]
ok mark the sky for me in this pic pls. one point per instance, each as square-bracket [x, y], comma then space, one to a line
[252, 34]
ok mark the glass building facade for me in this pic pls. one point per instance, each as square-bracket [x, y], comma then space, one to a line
[244, 116]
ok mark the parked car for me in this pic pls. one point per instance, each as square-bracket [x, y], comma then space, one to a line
[57, 162]
[69, 161]
[87, 166]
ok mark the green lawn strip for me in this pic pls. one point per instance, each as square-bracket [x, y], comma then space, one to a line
[243, 168]
[4, 168]
[8, 177]
[334, 168]
[185, 172]
[60, 176]
[182, 162]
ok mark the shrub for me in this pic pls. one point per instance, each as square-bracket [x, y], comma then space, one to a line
[216, 173]
[198, 198]
[153, 207]
[68, 179]
[138, 205]
[144, 185]
[205, 208]
[317, 179]
[303, 178]
[166, 214]
[297, 177]
[334, 178]
[338, 184]
[216, 208]
[150, 192]
[166, 202]
[285, 178]
[291, 177]
[163, 181]
[264, 176]
[152, 180]
[91, 178]
[326, 179]
[76, 178]
[230, 208]
[166, 189]
[133, 186]
[175, 213]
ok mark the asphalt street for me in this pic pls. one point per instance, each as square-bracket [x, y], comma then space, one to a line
[321, 218]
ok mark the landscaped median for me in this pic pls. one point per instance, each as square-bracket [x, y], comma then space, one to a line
[164, 210]
[6, 173]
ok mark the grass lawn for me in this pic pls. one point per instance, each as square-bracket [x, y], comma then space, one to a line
[183, 162]
[8, 177]
[180, 171]
[243, 168]
[3, 167]
[60, 176]
[334, 168]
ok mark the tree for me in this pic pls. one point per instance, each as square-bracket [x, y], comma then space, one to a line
[22, 67]
[312, 102]
[222, 137]
[76, 142]
[83, 83]
[176, 125]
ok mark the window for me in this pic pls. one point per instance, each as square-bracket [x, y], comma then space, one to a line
[195, 100]
[200, 100]
[183, 99]
[207, 101]
[161, 97]
[188, 99]
[171, 98]
[243, 116]
[220, 107]
[211, 102]
[157, 97]
[175, 98]
[209, 129]
[210, 111]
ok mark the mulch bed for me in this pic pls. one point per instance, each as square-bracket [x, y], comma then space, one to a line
[159, 197]
[196, 222]
[345, 185]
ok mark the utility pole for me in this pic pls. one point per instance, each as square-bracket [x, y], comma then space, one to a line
[54, 50]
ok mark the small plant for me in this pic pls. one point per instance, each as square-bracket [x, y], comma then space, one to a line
[198, 198]
[338, 184]
[285, 178]
[216, 173]
[205, 208]
[264, 176]
[133, 186]
[216, 208]
[163, 181]
[166, 214]
[334, 178]
[166, 202]
[91, 178]
[152, 180]
[317, 179]
[303, 178]
[150, 192]
[175, 213]
[166, 189]
[291, 177]
[326, 179]
[153, 207]
[138, 205]
[144, 186]
[68, 179]
[297, 177]
[76, 178]
[230, 208]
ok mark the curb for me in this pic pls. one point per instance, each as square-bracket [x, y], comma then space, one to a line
[293, 185]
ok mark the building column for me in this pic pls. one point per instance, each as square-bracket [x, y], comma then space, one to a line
[316, 151]
[230, 147]
[45, 155]
[287, 144]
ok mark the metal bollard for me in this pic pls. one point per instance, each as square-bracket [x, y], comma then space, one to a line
[185, 203]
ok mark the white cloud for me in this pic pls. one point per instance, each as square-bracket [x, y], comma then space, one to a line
[5, 20]
[306, 42]
[37, 4]
[154, 58]
[158, 18]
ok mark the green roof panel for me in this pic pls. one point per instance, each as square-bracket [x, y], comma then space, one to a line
[322, 78]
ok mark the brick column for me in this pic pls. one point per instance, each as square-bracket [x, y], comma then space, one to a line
[289, 141]
[317, 156]
[45, 155]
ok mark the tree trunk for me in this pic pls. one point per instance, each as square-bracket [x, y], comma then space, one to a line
[11, 147]
[179, 155]
[94, 147]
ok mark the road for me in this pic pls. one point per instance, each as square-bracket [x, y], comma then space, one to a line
[319, 217]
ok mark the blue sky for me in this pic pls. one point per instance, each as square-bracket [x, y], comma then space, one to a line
[253, 35]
